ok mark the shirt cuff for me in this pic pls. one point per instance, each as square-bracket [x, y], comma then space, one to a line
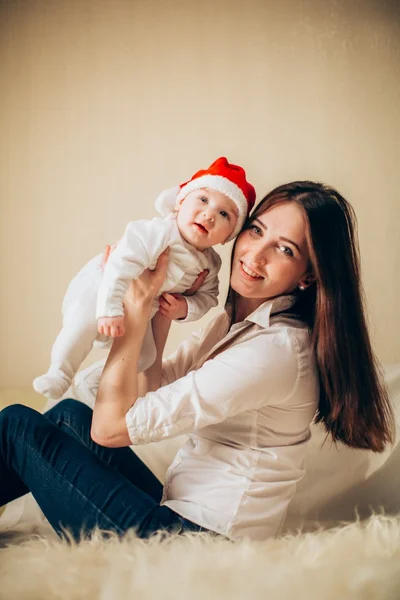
[192, 313]
[139, 434]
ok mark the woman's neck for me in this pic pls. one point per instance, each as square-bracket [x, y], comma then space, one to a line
[245, 306]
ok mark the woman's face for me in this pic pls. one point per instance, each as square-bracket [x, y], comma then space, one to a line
[271, 255]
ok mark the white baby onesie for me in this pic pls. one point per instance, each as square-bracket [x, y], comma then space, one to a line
[93, 294]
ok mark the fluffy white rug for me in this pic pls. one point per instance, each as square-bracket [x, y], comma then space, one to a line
[357, 561]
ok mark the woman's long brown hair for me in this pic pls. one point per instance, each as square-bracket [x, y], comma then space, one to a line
[354, 405]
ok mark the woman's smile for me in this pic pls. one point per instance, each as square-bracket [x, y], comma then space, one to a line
[248, 273]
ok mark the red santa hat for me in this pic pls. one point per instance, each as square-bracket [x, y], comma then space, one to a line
[221, 176]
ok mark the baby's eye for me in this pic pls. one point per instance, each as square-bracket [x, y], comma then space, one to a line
[286, 250]
[203, 199]
[224, 214]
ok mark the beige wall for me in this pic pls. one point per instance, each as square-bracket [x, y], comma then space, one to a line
[103, 104]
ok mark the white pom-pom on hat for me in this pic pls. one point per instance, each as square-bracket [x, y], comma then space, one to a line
[166, 201]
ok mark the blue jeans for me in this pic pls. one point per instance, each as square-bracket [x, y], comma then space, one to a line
[78, 484]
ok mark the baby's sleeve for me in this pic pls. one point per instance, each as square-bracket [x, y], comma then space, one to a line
[207, 296]
[138, 249]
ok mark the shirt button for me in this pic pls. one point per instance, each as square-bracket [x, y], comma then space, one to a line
[172, 279]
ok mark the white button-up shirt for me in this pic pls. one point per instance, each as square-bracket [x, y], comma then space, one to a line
[139, 249]
[246, 396]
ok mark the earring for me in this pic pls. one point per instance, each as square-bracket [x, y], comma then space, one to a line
[301, 288]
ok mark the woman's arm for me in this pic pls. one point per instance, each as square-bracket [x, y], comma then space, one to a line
[118, 389]
[150, 380]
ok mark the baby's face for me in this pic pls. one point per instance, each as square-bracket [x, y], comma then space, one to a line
[206, 218]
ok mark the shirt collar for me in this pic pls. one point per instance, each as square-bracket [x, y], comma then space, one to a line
[262, 315]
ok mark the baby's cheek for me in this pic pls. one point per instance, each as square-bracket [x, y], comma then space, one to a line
[231, 227]
[223, 231]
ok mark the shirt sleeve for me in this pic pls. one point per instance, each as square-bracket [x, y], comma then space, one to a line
[202, 301]
[244, 377]
[139, 249]
[207, 296]
[179, 363]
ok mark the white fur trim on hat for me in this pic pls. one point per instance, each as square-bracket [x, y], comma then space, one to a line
[225, 186]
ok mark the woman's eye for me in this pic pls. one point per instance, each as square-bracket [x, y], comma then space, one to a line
[224, 214]
[203, 199]
[286, 250]
[255, 229]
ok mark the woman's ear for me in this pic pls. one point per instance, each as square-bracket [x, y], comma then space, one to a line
[306, 281]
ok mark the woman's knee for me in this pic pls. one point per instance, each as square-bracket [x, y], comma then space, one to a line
[14, 416]
[13, 409]
[67, 409]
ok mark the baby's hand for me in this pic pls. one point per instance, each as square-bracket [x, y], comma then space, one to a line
[173, 306]
[111, 326]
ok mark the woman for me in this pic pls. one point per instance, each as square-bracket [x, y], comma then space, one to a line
[291, 344]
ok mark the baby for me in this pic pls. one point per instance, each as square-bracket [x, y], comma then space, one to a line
[208, 209]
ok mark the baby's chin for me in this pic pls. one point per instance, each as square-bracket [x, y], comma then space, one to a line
[209, 243]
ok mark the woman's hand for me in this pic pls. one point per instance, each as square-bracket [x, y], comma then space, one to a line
[145, 288]
[142, 291]
[106, 254]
